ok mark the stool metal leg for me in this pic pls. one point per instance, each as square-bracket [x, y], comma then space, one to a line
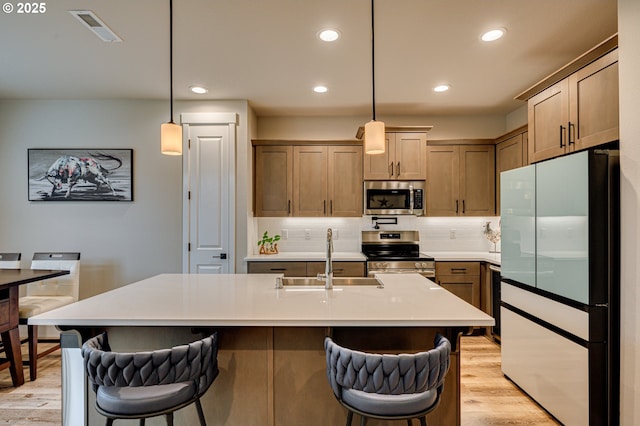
[200, 413]
[349, 417]
[423, 421]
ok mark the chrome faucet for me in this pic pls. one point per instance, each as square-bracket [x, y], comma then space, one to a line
[327, 277]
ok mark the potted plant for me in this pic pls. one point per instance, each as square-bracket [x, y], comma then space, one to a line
[268, 245]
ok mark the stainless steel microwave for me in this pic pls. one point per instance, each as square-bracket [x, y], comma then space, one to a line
[394, 197]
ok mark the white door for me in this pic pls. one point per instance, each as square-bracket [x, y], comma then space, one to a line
[209, 185]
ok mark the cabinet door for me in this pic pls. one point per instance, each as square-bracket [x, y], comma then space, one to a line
[461, 279]
[466, 287]
[378, 166]
[548, 119]
[477, 180]
[345, 181]
[310, 181]
[594, 103]
[411, 156]
[443, 183]
[509, 155]
[273, 180]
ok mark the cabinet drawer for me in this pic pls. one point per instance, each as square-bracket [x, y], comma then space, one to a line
[340, 269]
[457, 268]
[289, 269]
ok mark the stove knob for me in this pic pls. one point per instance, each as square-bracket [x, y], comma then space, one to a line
[418, 265]
[424, 265]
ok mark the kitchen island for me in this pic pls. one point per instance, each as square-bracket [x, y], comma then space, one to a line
[271, 358]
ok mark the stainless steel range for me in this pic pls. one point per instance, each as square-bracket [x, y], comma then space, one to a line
[396, 252]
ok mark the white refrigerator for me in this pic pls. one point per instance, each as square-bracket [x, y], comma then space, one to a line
[560, 285]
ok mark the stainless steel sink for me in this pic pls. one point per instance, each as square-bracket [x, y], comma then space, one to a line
[347, 281]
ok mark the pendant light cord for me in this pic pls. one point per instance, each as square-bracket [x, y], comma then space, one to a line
[373, 68]
[171, 57]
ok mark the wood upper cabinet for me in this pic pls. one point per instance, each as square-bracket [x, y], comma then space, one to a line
[327, 181]
[460, 180]
[511, 153]
[345, 188]
[273, 180]
[308, 179]
[578, 112]
[404, 158]
[593, 103]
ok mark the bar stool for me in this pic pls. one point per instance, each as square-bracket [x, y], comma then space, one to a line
[388, 387]
[139, 385]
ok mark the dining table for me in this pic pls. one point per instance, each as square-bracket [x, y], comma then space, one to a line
[10, 281]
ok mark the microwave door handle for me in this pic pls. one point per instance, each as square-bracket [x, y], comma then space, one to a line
[411, 199]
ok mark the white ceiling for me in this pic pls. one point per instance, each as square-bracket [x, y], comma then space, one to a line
[267, 51]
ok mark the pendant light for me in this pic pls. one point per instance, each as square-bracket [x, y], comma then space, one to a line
[374, 138]
[171, 133]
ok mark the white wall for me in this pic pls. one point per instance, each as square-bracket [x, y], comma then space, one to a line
[629, 69]
[444, 127]
[434, 232]
[120, 242]
[517, 118]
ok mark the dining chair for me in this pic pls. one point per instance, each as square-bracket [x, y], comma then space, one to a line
[140, 385]
[10, 260]
[43, 296]
[388, 386]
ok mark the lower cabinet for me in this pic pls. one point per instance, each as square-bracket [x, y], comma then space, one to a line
[340, 269]
[461, 279]
[289, 269]
[307, 269]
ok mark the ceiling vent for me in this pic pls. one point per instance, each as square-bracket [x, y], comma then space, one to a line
[95, 24]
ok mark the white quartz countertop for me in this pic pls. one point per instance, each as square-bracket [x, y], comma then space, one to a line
[252, 300]
[303, 256]
[310, 256]
[468, 256]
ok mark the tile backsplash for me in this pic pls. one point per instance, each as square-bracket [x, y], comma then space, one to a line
[301, 234]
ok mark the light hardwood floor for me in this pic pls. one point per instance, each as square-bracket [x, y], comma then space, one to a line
[487, 397]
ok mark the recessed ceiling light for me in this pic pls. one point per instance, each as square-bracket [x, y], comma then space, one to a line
[329, 35]
[198, 90]
[441, 88]
[320, 89]
[493, 35]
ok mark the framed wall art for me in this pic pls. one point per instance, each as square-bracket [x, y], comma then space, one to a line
[80, 174]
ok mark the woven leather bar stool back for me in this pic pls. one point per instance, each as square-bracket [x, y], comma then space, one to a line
[140, 385]
[389, 387]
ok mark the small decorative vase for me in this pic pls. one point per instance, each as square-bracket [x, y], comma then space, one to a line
[269, 249]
